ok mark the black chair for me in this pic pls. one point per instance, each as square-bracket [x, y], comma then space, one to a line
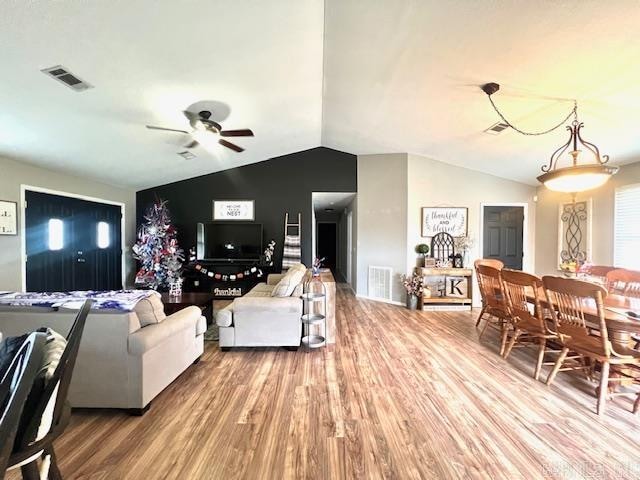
[27, 450]
[14, 389]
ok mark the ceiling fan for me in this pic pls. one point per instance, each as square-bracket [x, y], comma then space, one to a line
[206, 130]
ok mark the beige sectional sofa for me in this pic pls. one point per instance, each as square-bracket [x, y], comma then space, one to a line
[125, 358]
[267, 316]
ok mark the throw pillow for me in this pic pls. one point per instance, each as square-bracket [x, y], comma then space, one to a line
[288, 283]
[150, 310]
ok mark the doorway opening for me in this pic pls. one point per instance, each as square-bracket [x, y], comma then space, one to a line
[333, 228]
[327, 241]
[71, 242]
[503, 234]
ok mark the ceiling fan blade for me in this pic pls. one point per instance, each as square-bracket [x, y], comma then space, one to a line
[236, 133]
[192, 144]
[230, 145]
[151, 127]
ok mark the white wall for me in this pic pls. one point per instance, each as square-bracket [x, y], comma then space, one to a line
[382, 218]
[602, 218]
[393, 188]
[353, 209]
[437, 184]
[13, 174]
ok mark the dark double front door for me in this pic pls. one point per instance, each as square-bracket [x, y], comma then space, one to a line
[502, 235]
[72, 244]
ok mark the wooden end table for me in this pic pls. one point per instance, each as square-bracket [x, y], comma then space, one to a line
[202, 300]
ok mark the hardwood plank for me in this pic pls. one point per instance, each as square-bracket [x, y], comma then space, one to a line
[400, 395]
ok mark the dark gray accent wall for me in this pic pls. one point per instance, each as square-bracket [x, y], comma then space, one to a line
[278, 185]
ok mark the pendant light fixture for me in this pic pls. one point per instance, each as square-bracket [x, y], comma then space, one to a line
[576, 177]
[573, 177]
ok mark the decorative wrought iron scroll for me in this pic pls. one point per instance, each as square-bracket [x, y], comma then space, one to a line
[574, 225]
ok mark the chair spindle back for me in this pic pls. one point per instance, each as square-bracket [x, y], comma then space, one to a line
[573, 301]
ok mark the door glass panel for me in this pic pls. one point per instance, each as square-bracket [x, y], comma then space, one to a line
[103, 235]
[56, 234]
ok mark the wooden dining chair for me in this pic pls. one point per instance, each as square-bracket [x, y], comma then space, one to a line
[529, 327]
[597, 273]
[494, 309]
[15, 387]
[578, 307]
[624, 282]
[490, 262]
[51, 411]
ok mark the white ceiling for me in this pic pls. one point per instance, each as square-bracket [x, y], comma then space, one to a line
[148, 61]
[336, 200]
[362, 77]
[403, 76]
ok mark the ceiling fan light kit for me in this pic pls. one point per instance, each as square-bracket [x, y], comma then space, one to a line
[207, 132]
[575, 177]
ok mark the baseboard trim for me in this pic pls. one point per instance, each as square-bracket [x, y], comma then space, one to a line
[446, 308]
[381, 300]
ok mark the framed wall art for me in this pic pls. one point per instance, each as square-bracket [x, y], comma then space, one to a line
[574, 232]
[8, 218]
[234, 210]
[451, 220]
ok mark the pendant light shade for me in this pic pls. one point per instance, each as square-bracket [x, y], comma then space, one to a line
[576, 177]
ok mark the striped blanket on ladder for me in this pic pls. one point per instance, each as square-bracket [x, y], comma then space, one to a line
[291, 252]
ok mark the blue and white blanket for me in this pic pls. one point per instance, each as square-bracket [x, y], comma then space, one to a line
[121, 300]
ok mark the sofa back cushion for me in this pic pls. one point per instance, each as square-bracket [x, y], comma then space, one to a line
[150, 310]
[289, 282]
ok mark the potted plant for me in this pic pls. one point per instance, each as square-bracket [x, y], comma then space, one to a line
[413, 286]
[423, 250]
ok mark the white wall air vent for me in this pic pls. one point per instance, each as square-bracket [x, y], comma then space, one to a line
[379, 285]
[69, 79]
[497, 128]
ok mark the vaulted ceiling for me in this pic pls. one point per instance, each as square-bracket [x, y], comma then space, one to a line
[362, 77]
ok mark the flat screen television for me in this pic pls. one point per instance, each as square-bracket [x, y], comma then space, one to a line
[229, 241]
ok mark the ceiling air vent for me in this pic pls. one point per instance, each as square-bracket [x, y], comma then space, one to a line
[63, 75]
[497, 128]
[186, 155]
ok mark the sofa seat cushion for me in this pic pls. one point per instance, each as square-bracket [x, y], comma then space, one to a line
[150, 310]
[258, 294]
[224, 317]
[262, 287]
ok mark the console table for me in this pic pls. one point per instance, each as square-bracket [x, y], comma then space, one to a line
[453, 293]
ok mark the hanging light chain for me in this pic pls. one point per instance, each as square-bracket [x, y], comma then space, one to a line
[574, 112]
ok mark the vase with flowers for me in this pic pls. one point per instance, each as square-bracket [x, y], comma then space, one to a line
[413, 285]
[316, 266]
[463, 245]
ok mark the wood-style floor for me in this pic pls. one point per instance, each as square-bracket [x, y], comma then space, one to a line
[401, 395]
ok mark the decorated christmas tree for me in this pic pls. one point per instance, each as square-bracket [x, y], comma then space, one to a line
[157, 249]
